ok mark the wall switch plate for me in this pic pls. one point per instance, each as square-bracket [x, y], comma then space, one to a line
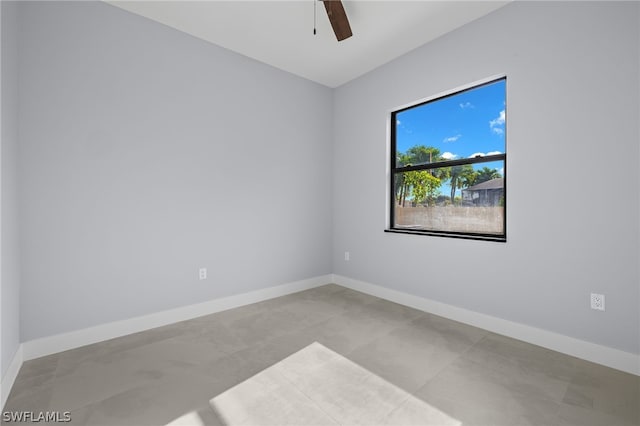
[347, 256]
[597, 301]
[202, 273]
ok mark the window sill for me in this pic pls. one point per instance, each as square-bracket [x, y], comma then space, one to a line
[478, 237]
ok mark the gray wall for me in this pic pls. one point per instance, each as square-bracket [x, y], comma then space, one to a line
[146, 154]
[10, 280]
[573, 161]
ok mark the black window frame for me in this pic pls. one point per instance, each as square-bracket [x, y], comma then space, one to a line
[394, 170]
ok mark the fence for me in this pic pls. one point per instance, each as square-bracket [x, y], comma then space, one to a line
[488, 220]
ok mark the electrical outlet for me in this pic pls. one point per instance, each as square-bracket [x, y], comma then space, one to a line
[597, 301]
[347, 256]
[202, 273]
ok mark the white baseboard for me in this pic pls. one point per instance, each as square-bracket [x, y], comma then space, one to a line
[10, 376]
[593, 352]
[607, 356]
[74, 339]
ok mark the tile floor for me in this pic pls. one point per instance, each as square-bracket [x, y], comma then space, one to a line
[439, 372]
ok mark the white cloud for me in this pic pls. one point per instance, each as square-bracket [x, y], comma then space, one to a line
[398, 122]
[466, 105]
[482, 154]
[499, 120]
[449, 156]
[497, 123]
[452, 138]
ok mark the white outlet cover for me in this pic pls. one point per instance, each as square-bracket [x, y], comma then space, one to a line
[597, 301]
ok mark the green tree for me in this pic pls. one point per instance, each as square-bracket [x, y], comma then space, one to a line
[485, 174]
[421, 154]
[461, 177]
[416, 183]
[401, 186]
[424, 186]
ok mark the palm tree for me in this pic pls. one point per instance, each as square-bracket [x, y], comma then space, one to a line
[485, 174]
[461, 177]
[416, 155]
[421, 154]
[401, 186]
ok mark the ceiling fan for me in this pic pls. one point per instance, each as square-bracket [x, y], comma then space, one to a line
[338, 18]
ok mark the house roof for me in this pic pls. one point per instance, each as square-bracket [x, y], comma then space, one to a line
[497, 183]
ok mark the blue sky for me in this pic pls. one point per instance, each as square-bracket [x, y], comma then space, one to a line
[460, 126]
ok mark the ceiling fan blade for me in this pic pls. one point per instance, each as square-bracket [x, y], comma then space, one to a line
[338, 18]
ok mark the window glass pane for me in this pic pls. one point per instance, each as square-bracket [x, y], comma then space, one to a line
[465, 125]
[467, 198]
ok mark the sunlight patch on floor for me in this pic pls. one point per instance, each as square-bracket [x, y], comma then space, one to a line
[190, 419]
[316, 386]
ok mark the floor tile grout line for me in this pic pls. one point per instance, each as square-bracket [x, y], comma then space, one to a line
[534, 373]
[444, 367]
[308, 397]
[368, 372]
[568, 383]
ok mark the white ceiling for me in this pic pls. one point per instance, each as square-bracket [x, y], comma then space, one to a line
[280, 33]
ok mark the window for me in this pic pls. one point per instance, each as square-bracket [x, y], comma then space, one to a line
[448, 165]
